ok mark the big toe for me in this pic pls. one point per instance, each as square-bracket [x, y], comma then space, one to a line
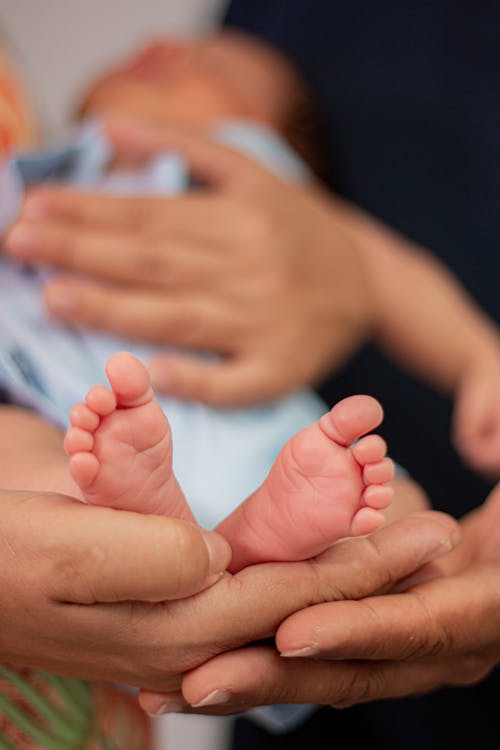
[351, 418]
[129, 379]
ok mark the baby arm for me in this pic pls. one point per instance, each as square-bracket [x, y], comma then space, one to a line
[427, 322]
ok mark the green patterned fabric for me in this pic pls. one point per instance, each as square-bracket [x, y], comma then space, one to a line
[42, 711]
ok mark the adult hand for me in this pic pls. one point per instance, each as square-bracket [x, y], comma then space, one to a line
[80, 586]
[84, 590]
[442, 630]
[257, 599]
[253, 268]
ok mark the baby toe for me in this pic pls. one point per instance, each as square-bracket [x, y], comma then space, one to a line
[129, 379]
[378, 496]
[369, 449]
[351, 418]
[101, 400]
[365, 521]
[379, 472]
[77, 440]
[82, 416]
[84, 468]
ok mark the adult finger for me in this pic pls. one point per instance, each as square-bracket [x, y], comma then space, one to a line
[121, 556]
[221, 383]
[428, 621]
[93, 209]
[193, 215]
[188, 321]
[136, 257]
[351, 568]
[242, 679]
[217, 165]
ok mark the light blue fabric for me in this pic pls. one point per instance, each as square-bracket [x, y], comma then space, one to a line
[220, 456]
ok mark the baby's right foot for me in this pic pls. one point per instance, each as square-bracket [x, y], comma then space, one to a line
[120, 445]
[320, 489]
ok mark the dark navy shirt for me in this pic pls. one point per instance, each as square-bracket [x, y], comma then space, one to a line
[410, 94]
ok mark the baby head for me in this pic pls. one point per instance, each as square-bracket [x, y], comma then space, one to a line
[196, 82]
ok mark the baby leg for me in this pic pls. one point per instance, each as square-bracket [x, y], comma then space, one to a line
[120, 445]
[321, 488]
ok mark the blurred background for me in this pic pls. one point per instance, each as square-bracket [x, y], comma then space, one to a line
[87, 36]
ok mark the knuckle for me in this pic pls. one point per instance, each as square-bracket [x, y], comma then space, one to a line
[184, 562]
[270, 691]
[74, 573]
[96, 307]
[130, 212]
[148, 262]
[256, 225]
[186, 325]
[361, 686]
[435, 639]
[61, 246]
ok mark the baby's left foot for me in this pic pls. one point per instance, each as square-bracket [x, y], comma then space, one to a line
[323, 486]
[120, 445]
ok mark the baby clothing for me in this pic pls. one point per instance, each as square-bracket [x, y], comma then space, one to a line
[220, 456]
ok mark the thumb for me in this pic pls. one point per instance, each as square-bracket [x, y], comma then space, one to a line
[230, 382]
[211, 163]
[123, 556]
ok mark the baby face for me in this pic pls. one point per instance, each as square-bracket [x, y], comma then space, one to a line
[196, 82]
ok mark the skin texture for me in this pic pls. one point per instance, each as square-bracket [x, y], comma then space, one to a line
[180, 255]
[319, 489]
[109, 586]
[321, 270]
[94, 570]
[444, 630]
[191, 82]
[262, 362]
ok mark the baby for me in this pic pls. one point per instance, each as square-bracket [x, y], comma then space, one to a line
[120, 442]
[421, 316]
[321, 487]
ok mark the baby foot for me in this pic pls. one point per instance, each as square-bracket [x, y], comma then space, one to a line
[321, 488]
[120, 445]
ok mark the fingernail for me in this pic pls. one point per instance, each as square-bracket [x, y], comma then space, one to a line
[62, 298]
[300, 652]
[167, 708]
[215, 698]
[219, 552]
[446, 544]
[23, 241]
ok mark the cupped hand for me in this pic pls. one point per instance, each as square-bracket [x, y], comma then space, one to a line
[250, 267]
[257, 599]
[84, 590]
[442, 628]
